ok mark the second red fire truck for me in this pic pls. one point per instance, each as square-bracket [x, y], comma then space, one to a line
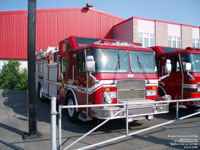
[86, 71]
[184, 80]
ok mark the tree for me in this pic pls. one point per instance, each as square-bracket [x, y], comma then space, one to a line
[12, 77]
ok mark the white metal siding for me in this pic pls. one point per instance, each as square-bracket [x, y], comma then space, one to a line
[23, 64]
[195, 33]
[174, 30]
[146, 26]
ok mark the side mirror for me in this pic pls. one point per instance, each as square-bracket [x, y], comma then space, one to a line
[168, 66]
[168, 69]
[90, 64]
[188, 67]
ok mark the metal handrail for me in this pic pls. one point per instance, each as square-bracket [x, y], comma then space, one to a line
[137, 102]
[124, 108]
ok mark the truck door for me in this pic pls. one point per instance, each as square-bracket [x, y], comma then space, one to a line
[81, 78]
[173, 82]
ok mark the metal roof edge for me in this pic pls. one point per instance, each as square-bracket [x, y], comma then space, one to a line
[13, 12]
[168, 22]
[62, 9]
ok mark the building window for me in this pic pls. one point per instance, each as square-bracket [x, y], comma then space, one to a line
[196, 43]
[174, 41]
[146, 39]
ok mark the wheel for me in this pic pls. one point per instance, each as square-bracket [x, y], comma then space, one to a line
[40, 93]
[72, 114]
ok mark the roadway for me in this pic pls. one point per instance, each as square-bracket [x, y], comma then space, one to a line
[183, 134]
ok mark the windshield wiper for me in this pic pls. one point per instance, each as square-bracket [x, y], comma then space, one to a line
[138, 61]
[141, 67]
[118, 62]
[117, 67]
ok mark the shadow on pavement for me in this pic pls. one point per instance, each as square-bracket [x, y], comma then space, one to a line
[9, 128]
[18, 102]
[8, 146]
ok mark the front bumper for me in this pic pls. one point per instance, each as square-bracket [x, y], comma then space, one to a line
[134, 110]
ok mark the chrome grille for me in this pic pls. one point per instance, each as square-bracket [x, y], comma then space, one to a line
[130, 89]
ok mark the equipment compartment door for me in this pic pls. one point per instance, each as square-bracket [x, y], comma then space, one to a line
[53, 80]
[46, 74]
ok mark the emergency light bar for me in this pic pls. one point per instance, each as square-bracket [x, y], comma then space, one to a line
[46, 51]
[77, 42]
[116, 43]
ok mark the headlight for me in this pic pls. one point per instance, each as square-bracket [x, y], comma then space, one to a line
[109, 94]
[151, 93]
[108, 97]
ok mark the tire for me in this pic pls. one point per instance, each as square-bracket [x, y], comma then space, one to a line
[72, 114]
[40, 93]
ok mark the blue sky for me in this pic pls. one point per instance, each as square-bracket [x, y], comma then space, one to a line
[178, 11]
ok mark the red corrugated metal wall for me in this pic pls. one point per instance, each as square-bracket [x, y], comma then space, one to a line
[13, 34]
[52, 26]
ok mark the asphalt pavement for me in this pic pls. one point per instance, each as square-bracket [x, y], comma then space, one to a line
[183, 134]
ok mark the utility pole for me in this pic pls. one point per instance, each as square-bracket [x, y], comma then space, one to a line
[31, 69]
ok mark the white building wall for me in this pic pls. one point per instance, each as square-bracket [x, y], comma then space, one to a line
[146, 33]
[146, 26]
[154, 32]
[22, 62]
[174, 30]
[195, 33]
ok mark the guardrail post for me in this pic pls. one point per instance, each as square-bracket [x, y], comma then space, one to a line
[53, 123]
[127, 119]
[60, 127]
[177, 109]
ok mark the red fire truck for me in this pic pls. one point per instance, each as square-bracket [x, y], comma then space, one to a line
[184, 80]
[100, 71]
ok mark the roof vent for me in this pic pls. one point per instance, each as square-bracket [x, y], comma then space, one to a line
[89, 5]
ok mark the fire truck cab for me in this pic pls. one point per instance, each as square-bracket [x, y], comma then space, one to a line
[184, 80]
[88, 71]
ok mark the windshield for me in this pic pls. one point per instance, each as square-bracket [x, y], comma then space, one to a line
[110, 60]
[194, 59]
[142, 62]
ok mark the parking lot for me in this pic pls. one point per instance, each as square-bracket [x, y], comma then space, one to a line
[183, 134]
